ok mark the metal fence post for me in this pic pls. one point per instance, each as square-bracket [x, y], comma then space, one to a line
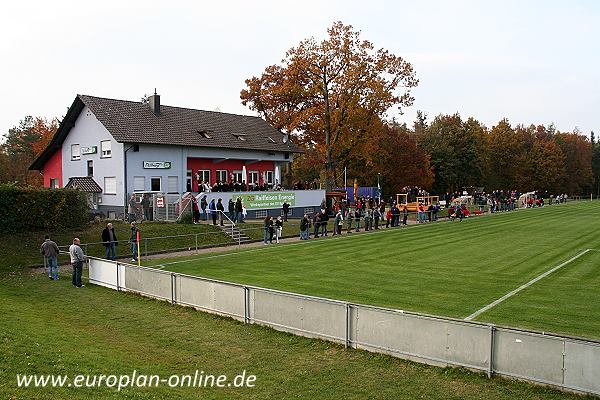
[246, 316]
[347, 335]
[118, 287]
[490, 371]
[172, 288]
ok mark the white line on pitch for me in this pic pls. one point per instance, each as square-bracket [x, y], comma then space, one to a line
[524, 286]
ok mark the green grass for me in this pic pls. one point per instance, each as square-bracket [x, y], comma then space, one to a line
[450, 269]
[51, 328]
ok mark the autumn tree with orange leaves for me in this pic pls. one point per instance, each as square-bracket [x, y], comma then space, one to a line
[22, 144]
[329, 94]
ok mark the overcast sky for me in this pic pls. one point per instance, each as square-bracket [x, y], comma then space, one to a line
[530, 61]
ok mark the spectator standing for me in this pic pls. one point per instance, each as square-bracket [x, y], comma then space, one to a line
[146, 207]
[317, 223]
[195, 210]
[357, 219]
[304, 227]
[132, 208]
[220, 211]
[50, 251]
[376, 217]
[238, 210]
[324, 221]
[133, 236]
[279, 228]
[203, 205]
[286, 210]
[77, 259]
[268, 237]
[212, 210]
[404, 215]
[231, 209]
[109, 240]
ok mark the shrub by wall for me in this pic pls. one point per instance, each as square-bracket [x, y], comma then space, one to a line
[35, 209]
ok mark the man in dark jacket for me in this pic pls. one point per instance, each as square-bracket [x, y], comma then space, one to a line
[286, 210]
[220, 210]
[109, 240]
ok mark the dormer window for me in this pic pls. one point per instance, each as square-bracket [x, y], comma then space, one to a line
[270, 139]
[240, 136]
[204, 133]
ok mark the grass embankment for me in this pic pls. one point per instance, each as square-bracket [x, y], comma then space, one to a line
[50, 327]
[450, 269]
[23, 248]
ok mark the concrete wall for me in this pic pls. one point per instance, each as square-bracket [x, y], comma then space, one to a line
[88, 131]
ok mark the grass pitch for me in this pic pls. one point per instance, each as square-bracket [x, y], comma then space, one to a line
[451, 269]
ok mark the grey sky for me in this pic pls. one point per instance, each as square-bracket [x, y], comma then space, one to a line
[529, 61]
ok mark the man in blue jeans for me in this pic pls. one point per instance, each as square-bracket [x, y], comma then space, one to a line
[50, 251]
[109, 240]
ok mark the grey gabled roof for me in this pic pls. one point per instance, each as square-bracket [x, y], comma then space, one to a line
[134, 122]
[84, 183]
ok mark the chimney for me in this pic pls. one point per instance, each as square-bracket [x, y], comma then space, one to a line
[154, 102]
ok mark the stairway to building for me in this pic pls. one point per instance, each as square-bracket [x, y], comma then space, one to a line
[235, 233]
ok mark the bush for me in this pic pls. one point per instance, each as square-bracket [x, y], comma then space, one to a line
[34, 209]
[185, 218]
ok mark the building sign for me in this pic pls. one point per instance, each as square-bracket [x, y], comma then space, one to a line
[157, 164]
[89, 150]
[160, 202]
[267, 200]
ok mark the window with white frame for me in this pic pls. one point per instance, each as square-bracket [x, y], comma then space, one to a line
[270, 175]
[105, 149]
[237, 176]
[139, 183]
[222, 175]
[75, 152]
[54, 183]
[110, 185]
[172, 184]
[253, 178]
[204, 175]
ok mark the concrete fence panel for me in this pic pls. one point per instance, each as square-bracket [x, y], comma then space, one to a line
[306, 316]
[582, 366]
[420, 337]
[220, 298]
[147, 281]
[528, 355]
[103, 272]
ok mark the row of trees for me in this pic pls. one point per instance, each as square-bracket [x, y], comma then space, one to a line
[332, 96]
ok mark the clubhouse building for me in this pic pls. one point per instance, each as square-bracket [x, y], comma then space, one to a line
[114, 148]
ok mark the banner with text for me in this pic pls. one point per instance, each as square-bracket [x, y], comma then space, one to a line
[267, 200]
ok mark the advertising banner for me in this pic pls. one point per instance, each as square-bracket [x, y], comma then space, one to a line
[255, 201]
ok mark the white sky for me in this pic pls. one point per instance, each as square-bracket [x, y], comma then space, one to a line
[529, 61]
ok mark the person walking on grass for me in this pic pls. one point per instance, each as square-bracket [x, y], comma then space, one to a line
[134, 243]
[109, 240]
[278, 228]
[77, 260]
[50, 252]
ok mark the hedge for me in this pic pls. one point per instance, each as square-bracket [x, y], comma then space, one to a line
[35, 209]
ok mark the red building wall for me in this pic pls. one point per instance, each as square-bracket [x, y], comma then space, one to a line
[229, 165]
[53, 169]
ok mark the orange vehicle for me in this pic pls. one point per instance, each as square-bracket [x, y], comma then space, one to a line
[402, 200]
